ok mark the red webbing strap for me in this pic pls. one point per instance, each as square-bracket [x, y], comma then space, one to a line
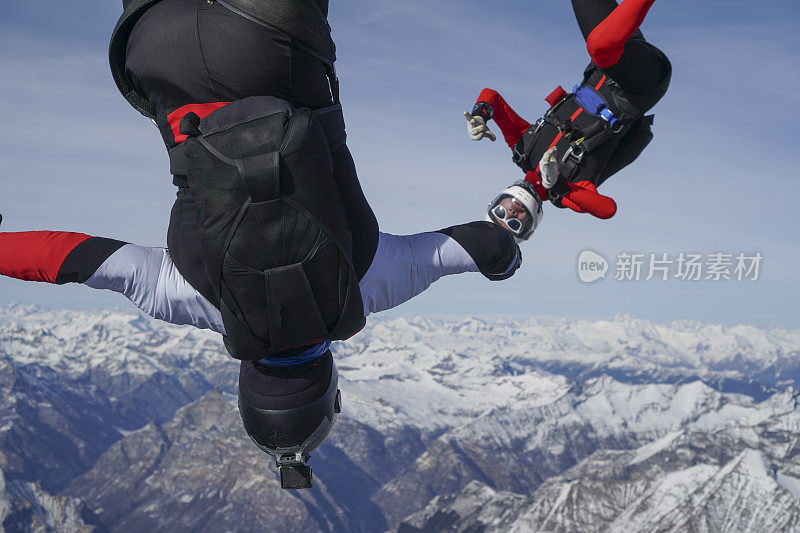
[600, 84]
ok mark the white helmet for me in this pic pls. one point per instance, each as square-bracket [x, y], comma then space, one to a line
[517, 209]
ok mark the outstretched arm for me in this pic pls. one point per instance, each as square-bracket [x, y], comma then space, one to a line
[146, 276]
[406, 265]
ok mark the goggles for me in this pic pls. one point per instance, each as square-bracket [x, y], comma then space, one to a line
[511, 213]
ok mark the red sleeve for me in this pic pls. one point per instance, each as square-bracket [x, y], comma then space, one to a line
[36, 255]
[511, 124]
[606, 42]
[584, 198]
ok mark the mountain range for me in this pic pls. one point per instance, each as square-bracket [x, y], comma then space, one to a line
[110, 421]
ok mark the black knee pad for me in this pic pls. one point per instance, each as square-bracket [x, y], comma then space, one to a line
[492, 248]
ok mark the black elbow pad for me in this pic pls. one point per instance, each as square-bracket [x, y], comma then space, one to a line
[492, 248]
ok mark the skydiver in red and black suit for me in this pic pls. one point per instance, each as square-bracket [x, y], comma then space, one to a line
[588, 135]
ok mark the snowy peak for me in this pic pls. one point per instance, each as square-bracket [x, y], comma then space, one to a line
[733, 500]
[501, 424]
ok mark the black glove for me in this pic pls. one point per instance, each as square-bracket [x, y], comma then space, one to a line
[492, 248]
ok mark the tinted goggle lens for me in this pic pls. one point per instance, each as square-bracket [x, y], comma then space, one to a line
[510, 219]
[514, 224]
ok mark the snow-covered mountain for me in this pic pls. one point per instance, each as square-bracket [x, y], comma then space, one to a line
[109, 420]
[26, 507]
[620, 458]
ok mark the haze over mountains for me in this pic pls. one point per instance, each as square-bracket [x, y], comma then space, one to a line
[110, 421]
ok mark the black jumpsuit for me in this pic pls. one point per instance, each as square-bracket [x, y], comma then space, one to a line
[183, 52]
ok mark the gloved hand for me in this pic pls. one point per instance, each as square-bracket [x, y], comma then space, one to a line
[477, 128]
[548, 168]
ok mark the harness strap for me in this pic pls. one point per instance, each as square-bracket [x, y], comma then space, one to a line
[333, 81]
[590, 143]
[571, 162]
[331, 118]
[294, 317]
[262, 175]
[178, 166]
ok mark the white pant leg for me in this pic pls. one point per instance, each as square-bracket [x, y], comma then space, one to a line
[406, 265]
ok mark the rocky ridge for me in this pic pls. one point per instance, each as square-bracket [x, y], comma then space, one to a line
[112, 421]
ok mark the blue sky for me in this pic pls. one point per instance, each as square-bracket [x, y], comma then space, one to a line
[720, 175]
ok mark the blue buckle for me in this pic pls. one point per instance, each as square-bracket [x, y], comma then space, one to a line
[608, 115]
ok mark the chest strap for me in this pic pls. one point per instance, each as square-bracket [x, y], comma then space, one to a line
[331, 118]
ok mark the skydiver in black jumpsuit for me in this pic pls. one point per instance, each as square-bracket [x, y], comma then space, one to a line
[173, 59]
